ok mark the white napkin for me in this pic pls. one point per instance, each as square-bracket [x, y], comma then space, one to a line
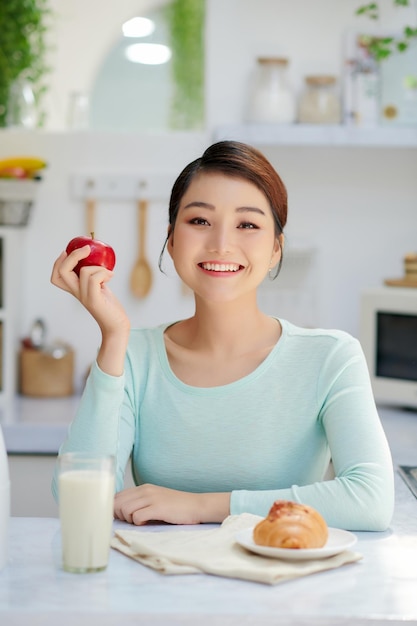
[215, 551]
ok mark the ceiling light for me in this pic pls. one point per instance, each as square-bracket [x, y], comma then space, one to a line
[138, 27]
[148, 53]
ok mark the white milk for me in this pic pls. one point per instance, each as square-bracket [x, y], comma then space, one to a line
[86, 513]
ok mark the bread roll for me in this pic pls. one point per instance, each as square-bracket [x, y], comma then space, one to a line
[291, 525]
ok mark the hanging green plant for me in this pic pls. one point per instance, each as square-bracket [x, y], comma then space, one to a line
[383, 47]
[186, 31]
[22, 50]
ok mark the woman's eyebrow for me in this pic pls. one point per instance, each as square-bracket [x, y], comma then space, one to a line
[211, 207]
[249, 209]
[197, 203]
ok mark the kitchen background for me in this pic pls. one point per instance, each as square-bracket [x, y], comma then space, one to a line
[352, 208]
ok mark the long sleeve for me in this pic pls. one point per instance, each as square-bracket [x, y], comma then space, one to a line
[103, 424]
[361, 496]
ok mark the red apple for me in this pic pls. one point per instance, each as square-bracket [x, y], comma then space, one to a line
[101, 253]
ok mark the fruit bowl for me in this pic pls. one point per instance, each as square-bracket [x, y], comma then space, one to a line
[14, 213]
[16, 200]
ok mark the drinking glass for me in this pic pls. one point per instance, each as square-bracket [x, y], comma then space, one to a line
[86, 487]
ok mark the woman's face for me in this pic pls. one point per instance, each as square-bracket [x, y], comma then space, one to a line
[224, 240]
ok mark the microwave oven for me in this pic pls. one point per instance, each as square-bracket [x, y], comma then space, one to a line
[388, 335]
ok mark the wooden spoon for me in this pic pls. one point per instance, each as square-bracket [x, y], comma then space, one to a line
[141, 275]
[90, 208]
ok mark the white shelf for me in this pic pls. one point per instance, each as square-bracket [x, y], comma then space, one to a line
[317, 135]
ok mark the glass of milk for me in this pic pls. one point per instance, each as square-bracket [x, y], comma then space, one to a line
[86, 485]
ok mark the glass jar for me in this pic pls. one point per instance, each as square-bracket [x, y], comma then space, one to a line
[319, 103]
[21, 105]
[271, 98]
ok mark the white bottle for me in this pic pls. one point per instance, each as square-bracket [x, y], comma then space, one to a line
[4, 502]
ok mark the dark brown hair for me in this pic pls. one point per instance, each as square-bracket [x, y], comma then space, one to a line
[239, 160]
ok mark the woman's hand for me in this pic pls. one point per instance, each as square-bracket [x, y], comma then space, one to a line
[92, 290]
[146, 503]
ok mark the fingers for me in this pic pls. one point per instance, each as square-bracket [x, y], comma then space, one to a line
[63, 275]
[91, 289]
[71, 260]
[145, 503]
[130, 506]
[55, 276]
[91, 277]
[139, 505]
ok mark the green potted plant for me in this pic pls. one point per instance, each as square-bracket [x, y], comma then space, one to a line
[22, 51]
[383, 47]
[186, 30]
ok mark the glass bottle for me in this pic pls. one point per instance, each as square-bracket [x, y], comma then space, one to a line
[319, 103]
[79, 111]
[271, 98]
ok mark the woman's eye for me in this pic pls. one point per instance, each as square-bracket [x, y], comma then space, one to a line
[200, 221]
[247, 225]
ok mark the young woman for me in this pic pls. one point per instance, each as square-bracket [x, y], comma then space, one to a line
[230, 409]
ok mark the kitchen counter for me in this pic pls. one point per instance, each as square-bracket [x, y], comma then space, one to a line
[379, 589]
[39, 425]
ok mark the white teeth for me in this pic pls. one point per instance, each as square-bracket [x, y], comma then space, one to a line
[220, 267]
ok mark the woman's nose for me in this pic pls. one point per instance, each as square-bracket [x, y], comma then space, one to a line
[221, 240]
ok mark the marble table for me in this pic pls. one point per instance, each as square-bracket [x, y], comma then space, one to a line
[380, 589]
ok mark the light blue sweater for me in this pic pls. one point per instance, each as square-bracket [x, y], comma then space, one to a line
[267, 436]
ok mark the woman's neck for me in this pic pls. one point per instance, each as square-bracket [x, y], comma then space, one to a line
[230, 327]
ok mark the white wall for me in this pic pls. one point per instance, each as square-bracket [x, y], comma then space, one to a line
[356, 206]
[81, 35]
[310, 33]
[57, 217]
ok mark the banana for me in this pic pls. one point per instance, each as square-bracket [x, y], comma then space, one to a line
[28, 163]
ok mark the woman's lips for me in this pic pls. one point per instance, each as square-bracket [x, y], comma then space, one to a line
[221, 267]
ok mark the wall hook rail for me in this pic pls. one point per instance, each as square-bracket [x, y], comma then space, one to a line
[123, 187]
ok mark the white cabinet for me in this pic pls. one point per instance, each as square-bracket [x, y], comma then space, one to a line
[30, 482]
[11, 248]
[16, 198]
[10, 293]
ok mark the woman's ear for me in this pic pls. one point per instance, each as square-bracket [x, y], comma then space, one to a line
[170, 239]
[278, 249]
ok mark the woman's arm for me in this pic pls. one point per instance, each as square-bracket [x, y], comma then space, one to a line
[104, 422]
[91, 289]
[361, 496]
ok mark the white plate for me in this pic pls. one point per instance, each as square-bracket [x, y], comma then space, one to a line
[338, 541]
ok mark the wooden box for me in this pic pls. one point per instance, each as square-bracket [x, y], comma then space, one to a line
[44, 376]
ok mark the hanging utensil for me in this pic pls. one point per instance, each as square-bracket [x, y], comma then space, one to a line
[90, 208]
[141, 275]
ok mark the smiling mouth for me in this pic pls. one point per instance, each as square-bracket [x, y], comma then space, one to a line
[221, 267]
